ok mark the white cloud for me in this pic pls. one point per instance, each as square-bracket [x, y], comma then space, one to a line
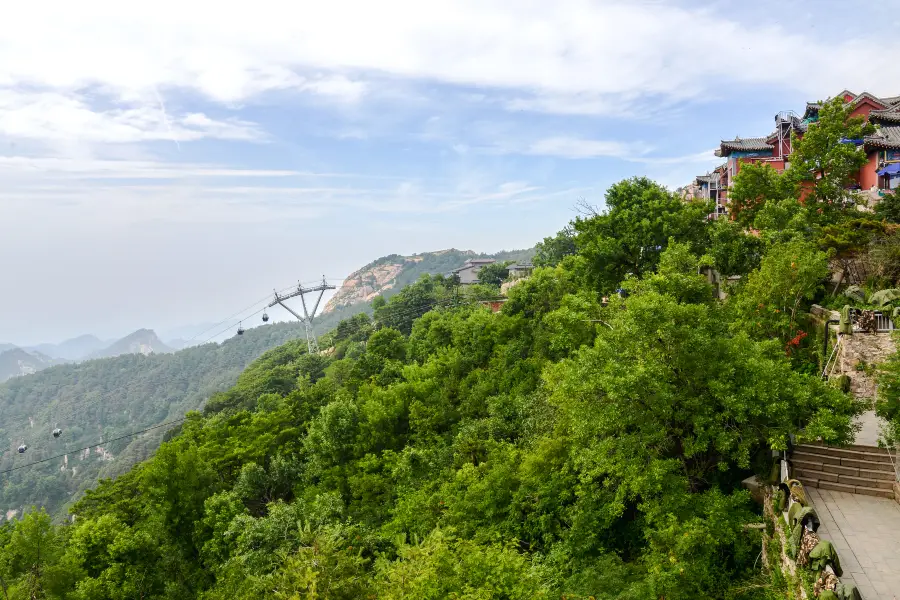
[567, 56]
[54, 116]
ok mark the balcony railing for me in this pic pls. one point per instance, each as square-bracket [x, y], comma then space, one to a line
[879, 321]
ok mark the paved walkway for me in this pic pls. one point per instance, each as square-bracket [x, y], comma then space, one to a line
[868, 435]
[866, 533]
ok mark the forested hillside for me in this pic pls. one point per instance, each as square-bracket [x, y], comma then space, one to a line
[580, 443]
[102, 399]
[16, 362]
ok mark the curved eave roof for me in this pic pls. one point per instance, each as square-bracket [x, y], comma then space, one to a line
[887, 138]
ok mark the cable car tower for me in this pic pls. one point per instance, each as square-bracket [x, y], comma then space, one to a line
[312, 345]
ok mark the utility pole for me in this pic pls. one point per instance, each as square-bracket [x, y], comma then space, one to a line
[312, 345]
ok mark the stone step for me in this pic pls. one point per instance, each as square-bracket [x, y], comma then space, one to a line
[864, 464]
[857, 447]
[837, 487]
[864, 482]
[880, 493]
[858, 453]
[822, 462]
[808, 482]
[818, 467]
[812, 475]
[811, 457]
[877, 475]
[850, 489]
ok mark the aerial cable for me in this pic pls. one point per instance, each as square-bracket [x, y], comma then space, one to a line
[237, 314]
[121, 437]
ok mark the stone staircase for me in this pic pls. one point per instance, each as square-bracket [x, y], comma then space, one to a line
[853, 469]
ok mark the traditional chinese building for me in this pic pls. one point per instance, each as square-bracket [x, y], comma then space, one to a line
[882, 172]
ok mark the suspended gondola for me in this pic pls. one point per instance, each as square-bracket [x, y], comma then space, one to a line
[240, 329]
[22, 449]
[57, 432]
[265, 317]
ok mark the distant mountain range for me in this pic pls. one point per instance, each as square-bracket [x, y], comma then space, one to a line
[15, 361]
[389, 274]
[73, 349]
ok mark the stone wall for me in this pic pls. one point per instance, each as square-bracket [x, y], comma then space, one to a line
[857, 352]
[857, 356]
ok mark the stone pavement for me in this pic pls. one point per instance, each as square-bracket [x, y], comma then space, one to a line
[868, 435]
[865, 532]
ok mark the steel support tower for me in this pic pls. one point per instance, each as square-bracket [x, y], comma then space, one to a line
[312, 345]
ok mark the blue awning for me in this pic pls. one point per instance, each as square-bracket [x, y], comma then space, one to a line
[891, 169]
[858, 142]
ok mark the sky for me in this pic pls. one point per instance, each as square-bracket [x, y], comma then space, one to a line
[169, 163]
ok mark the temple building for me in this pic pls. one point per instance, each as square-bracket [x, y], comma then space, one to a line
[881, 172]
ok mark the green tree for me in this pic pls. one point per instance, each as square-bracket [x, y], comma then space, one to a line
[734, 250]
[772, 303]
[888, 208]
[754, 185]
[553, 250]
[34, 551]
[887, 404]
[494, 274]
[641, 217]
[822, 163]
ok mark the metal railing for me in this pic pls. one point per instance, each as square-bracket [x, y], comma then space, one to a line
[883, 322]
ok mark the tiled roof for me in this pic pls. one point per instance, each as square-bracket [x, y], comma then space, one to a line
[812, 108]
[707, 178]
[743, 145]
[867, 95]
[891, 115]
[886, 137]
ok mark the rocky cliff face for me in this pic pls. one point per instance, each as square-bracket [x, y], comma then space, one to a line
[370, 281]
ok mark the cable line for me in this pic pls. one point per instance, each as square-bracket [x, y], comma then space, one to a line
[121, 437]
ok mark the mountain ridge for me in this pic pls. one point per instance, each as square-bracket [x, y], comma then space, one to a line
[387, 275]
[17, 362]
[142, 341]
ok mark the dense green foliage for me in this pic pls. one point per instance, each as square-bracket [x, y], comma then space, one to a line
[755, 184]
[629, 237]
[494, 274]
[563, 447]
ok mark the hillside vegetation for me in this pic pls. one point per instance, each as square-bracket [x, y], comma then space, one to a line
[102, 399]
[565, 447]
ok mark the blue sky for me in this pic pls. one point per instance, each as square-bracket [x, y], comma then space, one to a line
[168, 163]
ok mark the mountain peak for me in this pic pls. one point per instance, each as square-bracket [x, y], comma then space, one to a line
[142, 341]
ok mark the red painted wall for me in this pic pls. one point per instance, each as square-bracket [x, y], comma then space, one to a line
[864, 108]
[868, 175]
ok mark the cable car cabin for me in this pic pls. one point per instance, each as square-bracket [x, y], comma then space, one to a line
[265, 318]
[22, 449]
[240, 330]
[57, 432]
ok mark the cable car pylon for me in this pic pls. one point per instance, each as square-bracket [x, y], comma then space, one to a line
[312, 345]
